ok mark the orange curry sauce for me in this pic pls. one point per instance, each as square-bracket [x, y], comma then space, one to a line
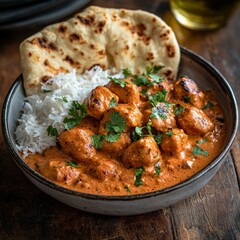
[177, 137]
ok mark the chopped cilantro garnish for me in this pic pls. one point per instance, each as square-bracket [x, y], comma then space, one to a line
[77, 112]
[97, 141]
[157, 168]
[137, 133]
[112, 137]
[46, 91]
[152, 69]
[140, 80]
[169, 133]
[155, 78]
[64, 99]
[208, 105]
[117, 123]
[199, 151]
[178, 109]
[112, 103]
[52, 131]
[201, 141]
[127, 188]
[158, 97]
[158, 138]
[159, 112]
[119, 81]
[138, 176]
[126, 72]
[186, 99]
[71, 164]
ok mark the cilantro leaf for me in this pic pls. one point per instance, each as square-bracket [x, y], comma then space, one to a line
[159, 112]
[117, 123]
[112, 103]
[152, 69]
[127, 188]
[119, 81]
[138, 176]
[71, 164]
[140, 80]
[169, 133]
[208, 105]
[137, 133]
[178, 109]
[157, 168]
[112, 137]
[158, 138]
[97, 141]
[52, 131]
[199, 151]
[126, 72]
[201, 141]
[77, 112]
[155, 78]
[158, 97]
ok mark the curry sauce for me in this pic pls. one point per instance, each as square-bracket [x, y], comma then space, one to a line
[139, 134]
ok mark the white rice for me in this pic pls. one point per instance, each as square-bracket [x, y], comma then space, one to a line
[49, 109]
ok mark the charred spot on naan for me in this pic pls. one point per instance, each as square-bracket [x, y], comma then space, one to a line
[43, 43]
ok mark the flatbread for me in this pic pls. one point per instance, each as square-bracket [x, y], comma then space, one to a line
[109, 38]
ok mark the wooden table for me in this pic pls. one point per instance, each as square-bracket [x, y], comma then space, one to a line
[212, 213]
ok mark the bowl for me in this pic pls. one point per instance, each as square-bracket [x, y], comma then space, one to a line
[206, 76]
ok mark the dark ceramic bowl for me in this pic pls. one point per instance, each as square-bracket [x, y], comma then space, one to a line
[206, 76]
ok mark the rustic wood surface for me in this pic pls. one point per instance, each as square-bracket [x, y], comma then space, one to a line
[212, 213]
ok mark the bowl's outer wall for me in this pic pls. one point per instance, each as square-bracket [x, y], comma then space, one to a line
[205, 76]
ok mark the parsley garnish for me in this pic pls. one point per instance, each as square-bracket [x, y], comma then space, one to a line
[112, 137]
[178, 109]
[152, 69]
[199, 151]
[140, 80]
[52, 131]
[138, 176]
[137, 133]
[208, 105]
[112, 103]
[77, 112]
[119, 81]
[158, 138]
[157, 168]
[72, 164]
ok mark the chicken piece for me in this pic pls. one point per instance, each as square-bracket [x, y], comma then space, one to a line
[104, 169]
[116, 149]
[89, 123]
[194, 121]
[99, 101]
[127, 94]
[130, 112]
[162, 117]
[186, 90]
[175, 142]
[143, 152]
[77, 143]
[63, 173]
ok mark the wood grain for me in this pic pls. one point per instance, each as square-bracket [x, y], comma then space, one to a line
[212, 213]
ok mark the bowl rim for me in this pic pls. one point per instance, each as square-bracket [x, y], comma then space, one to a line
[38, 177]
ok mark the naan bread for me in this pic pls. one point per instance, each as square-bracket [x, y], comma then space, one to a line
[117, 38]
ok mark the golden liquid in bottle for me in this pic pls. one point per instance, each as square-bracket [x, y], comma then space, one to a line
[202, 14]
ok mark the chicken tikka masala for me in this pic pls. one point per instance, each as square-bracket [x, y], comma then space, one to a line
[137, 134]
